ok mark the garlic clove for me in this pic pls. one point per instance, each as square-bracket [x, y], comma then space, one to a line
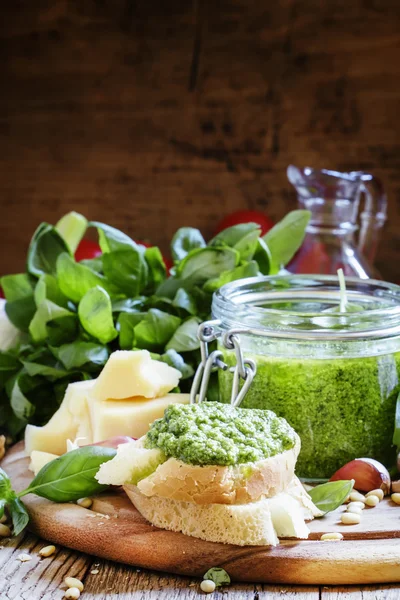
[369, 474]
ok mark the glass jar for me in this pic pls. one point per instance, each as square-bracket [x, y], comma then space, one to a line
[334, 376]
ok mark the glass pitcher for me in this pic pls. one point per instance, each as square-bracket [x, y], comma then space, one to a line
[334, 200]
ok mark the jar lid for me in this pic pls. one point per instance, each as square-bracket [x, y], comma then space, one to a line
[300, 307]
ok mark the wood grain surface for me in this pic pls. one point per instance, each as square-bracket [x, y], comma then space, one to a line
[114, 530]
[153, 115]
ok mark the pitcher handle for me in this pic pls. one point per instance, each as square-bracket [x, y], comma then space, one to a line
[373, 216]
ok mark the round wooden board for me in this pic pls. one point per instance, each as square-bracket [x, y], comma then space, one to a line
[113, 529]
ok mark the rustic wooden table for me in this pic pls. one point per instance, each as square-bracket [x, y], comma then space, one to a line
[42, 579]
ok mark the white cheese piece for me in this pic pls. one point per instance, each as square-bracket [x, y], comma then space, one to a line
[287, 516]
[130, 417]
[40, 459]
[10, 336]
[71, 417]
[133, 373]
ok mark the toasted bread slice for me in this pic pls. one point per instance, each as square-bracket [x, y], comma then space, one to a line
[215, 484]
[243, 525]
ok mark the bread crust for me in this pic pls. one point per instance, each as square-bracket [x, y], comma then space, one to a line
[239, 484]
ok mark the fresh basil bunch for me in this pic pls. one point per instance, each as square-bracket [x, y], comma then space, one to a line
[72, 315]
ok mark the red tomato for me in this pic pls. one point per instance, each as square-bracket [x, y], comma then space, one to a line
[87, 249]
[245, 216]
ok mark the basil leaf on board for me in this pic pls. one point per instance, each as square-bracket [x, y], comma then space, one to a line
[81, 354]
[5, 485]
[173, 359]
[21, 311]
[154, 331]
[185, 240]
[19, 515]
[124, 268]
[16, 287]
[126, 326]
[46, 311]
[206, 263]
[72, 227]
[47, 288]
[184, 301]
[263, 258]
[218, 575]
[242, 237]
[185, 337]
[156, 265]
[111, 239]
[45, 248]
[95, 315]
[71, 476]
[286, 237]
[396, 435]
[75, 279]
[329, 496]
[249, 269]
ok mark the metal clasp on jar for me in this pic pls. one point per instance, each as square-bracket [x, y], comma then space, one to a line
[245, 369]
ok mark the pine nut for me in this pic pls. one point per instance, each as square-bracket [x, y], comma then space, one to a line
[377, 492]
[331, 537]
[47, 551]
[72, 593]
[73, 582]
[5, 531]
[354, 509]
[348, 518]
[360, 505]
[3, 519]
[396, 487]
[372, 501]
[24, 557]
[396, 497]
[85, 502]
[207, 586]
[357, 497]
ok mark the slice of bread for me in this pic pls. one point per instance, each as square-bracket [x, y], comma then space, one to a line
[243, 525]
[215, 484]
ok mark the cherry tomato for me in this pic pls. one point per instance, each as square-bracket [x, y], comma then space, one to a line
[245, 216]
[87, 249]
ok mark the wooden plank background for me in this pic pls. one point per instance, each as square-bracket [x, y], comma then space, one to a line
[153, 114]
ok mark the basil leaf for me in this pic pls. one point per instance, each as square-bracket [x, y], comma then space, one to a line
[184, 301]
[125, 269]
[95, 315]
[3, 504]
[62, 330]
[206, 263]
[128, 304]
[19, 515]
[126, 325]
[16, 287]
[173, 359]
[9, 365]
[5, 486]
[170, 286]
[329, 496]
[154, 331]
[242, 237]
[45, 248]
[52, 373]
[47, 288]
[218, 576]
[185, 337]
[72, 227]
[185, 240]
[46, 311]
[21, 311]
[111, 239]
[263, 257]
[94, 264]
[396, 435]
[156, 265]
[71, 476]
[22, 407]
[286, 237]
[247, 270]
[75, 279]
[81, 354]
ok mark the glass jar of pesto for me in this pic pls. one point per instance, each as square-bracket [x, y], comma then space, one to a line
[334, 376]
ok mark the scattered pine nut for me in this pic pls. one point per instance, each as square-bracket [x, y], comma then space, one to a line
[378, 492]
[47, 551]
[357, 497]
[349, 518]
[95, 571]
[372, 501]
[354, 509]
[207, 586]
[331, 537]
[24, 557]
[5, 531]
[85, 502]
[73, 582]
[396, 497]
[72, 593]
[396, 487]
[360, 505]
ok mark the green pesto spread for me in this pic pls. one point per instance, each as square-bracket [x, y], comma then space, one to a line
[342, 408]
[211, 433]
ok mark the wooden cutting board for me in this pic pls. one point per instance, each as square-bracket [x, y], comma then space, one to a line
[113, 529]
